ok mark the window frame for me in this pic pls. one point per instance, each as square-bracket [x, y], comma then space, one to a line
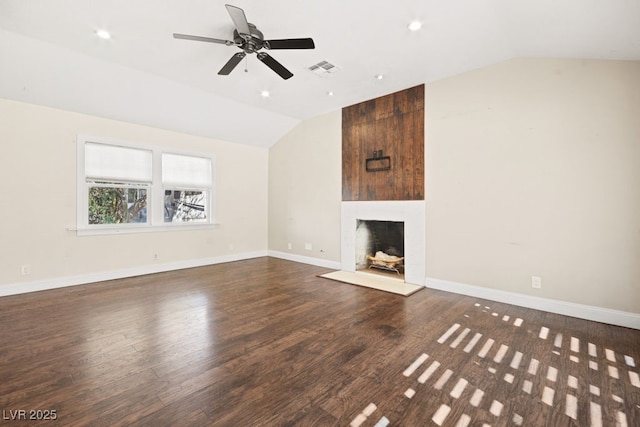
[155, 191]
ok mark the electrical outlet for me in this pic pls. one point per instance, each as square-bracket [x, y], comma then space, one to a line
[155, 257]
[308, 247]
[289, 246]
[25, 269]
[536, 282]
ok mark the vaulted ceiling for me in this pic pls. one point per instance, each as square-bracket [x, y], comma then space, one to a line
[50, 54]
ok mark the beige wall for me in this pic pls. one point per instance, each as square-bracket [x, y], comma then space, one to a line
[305, 184]
[38, 199]
[533, 168]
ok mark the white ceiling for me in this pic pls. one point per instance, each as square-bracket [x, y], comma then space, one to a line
[49, 54]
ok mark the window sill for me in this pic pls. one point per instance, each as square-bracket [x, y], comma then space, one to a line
[98, 230]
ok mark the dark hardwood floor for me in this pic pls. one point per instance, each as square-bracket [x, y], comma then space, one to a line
[265, 342]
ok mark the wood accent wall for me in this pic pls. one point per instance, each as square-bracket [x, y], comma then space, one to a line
[394, 124]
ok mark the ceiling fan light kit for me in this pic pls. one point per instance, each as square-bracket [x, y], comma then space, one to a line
[247, 37]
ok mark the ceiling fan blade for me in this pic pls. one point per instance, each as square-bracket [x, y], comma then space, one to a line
[275, 65]
[202, 39]
[231, 64]
[239, 19]
[290, 44]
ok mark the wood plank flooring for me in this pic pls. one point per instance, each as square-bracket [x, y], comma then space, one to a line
[265, 342]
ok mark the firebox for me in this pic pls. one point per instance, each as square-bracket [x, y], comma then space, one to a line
[380, 246]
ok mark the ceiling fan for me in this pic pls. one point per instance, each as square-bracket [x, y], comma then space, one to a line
[251, 40]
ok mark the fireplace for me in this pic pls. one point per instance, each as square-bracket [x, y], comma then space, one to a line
[408, 244]
[380, 246]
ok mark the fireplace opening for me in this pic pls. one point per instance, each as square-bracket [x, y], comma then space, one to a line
[380, 247]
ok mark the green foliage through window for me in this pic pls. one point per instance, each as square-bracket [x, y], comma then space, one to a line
[117, 205]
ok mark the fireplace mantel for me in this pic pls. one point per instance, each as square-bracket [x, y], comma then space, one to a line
[411, 212]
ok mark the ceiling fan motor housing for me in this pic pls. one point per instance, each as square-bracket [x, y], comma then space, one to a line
[250, 43]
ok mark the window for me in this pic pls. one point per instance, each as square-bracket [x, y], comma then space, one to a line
[124, 187]
[118, 181]
[185, 180]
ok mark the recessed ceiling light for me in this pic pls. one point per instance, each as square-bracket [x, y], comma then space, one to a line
[265, 93]
[330, 93]
[379, 76]
[415, 25]
[103, 34]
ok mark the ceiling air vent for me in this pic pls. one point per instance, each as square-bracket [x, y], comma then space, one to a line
[324, 68]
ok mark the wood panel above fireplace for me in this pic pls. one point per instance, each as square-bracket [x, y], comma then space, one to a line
[390, 126]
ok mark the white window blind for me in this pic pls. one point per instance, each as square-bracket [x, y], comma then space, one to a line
[186, 171]
[116, 163]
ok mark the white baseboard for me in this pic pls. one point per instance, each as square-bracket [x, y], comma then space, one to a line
[588, 312]
[61, 282]
[335, 265]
